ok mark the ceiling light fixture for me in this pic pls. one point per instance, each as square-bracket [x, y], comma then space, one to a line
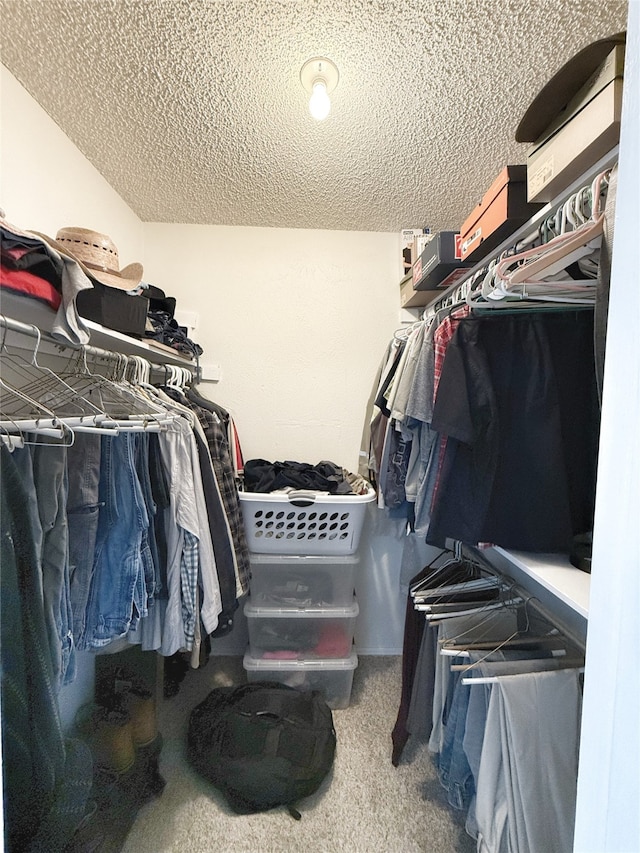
[319, 76]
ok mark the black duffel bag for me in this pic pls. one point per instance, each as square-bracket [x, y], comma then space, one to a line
[263, 744]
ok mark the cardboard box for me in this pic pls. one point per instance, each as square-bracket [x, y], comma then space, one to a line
[410, 249]
[607, 72]
[440, 259]
[410, 298]
[503, 209]
[587, 129]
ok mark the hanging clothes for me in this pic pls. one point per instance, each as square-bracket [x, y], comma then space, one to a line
[503, 686]
[191, 557]
[215, 425]
[527, 777]
[47, 779]
[517, 390]
[125, 512]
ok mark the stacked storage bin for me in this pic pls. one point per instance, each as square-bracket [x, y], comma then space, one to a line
[302, 611]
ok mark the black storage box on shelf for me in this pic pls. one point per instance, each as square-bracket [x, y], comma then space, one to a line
[440, 264]
[113, 308]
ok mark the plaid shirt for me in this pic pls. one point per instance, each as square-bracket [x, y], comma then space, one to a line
[215, 434]
[441, 339]
[189, 564]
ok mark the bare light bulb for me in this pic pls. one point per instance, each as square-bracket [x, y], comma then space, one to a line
[319, 103]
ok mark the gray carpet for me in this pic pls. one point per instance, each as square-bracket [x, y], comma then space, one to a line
[365, 806]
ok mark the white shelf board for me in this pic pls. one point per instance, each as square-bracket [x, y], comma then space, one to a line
[555, 573]
[109, 339]
[32, 312]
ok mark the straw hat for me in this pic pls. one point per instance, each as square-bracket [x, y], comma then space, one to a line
[98, 256]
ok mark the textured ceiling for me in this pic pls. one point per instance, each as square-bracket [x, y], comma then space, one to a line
[193, 110]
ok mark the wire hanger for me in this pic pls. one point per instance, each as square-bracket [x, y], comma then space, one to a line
[127, 410]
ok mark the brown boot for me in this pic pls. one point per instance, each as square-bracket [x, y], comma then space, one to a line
[142, 710]
[110, 736]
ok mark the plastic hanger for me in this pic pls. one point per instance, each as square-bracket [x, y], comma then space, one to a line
[495, 679]
[501, 604]
[561, 251]
[538, 274]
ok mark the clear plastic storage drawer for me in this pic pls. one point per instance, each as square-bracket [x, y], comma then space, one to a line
[302, 581]
[333, 678]
[296, 633]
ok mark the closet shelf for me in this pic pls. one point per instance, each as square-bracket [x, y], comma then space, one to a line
[151, 350]
[35, 313]
[553, 572]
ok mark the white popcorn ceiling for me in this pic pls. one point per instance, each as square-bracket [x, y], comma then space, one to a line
[193, 109]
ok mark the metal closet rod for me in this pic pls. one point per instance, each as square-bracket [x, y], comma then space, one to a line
[38, 334]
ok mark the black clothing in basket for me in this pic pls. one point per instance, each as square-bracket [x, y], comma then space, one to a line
[262, 476]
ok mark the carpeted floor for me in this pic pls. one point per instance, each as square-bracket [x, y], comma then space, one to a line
[365, 806]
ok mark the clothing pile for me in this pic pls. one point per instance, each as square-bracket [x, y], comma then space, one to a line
[323, 478]
[78, 276]
[161, 326]
[31, 267]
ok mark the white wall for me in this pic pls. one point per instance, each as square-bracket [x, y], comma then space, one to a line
[298, 321]
[608, 807]
[46, 183]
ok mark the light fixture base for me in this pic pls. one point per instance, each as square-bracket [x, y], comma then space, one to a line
[319, 68]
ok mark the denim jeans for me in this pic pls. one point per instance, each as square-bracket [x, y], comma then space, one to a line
[453, 767]
[50, 479]
[149, 550]
[117, 596]
[472, 743]
[83, 509]
[32, 740]
[23, 460]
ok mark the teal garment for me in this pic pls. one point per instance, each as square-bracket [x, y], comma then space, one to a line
[46, 784]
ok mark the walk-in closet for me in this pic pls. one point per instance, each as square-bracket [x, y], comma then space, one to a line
[319, 395]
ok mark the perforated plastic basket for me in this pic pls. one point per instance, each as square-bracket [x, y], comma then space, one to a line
[302, 522]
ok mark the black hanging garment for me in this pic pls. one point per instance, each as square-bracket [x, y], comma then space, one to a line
[262, 744]
[517, 401]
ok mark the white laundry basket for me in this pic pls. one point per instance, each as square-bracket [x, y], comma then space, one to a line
[302, 522]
